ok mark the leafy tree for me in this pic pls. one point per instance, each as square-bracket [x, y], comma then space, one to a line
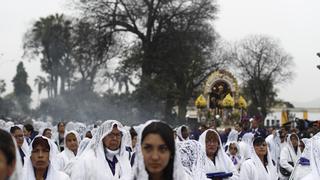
[49, 40]
[150, 21]
[2, 86]
[92, 47]
[22, 90]
[261, 63]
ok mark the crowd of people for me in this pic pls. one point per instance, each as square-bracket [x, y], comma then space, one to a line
[156, 151]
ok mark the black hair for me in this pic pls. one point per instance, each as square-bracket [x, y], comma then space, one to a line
[258, 141]
[40, 141]
[60, 123]
[184, 128]
[133, 132]
[13, 129]
[45, 130]
[7, 147]
[166, 133]
[29, 127]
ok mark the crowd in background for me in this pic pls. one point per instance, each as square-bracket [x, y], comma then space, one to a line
[154, 150]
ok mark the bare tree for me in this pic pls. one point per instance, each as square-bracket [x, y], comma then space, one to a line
[261, 63]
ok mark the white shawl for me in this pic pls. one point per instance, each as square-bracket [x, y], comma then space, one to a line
[253, 168]
[66, 155]
[92, 164]
[222, 161]
[314, 158]
[192, 158]
[288, 155]
[53, 173]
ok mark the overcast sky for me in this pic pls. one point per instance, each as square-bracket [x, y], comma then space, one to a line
[295, 23]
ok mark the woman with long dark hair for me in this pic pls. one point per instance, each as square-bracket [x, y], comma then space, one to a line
[260, 166]
[7, 155]
[156, 154]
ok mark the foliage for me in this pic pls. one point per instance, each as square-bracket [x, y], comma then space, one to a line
[262, 63]
[22, 90]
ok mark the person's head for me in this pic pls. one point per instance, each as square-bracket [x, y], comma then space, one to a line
[184, 132]
[61, 126]
[294, 140]
[254, 123]
[212, 143]
[233, 149]
[7, 155]
[158, 149]
[47, 133]
[89, 134]
[72, 142]
[17, 133]
[27, 130]
[40, 153]
[133, 135]
[202, 128]
[302, 145]
[260, 146]
[112, 141]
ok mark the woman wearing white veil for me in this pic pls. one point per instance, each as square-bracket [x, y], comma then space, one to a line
[302, 167]
[314, 158]
[192, 158]
[274, 143]
[260, 166]
[107, 151]
[233, 151]
[289, 155]
[182, 133]
[245, 145]
[156, 155]
[71, 142]
[41, 162]
[217, 160]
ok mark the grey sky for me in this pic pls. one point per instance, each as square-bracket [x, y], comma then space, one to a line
[293, 22]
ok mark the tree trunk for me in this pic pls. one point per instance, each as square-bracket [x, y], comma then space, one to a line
[182, 104]
[62, 85]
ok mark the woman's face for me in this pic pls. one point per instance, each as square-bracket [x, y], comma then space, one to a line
[233, 149]
[40, 157]
[294, 141]
[261, 149]
[71, 142]
[5, 169]
[212, 145]
[156, 153]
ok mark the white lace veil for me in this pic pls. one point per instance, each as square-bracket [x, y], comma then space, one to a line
[192, 158]
[307, 148]
[315, 156]
[96, 143]
[139, 171]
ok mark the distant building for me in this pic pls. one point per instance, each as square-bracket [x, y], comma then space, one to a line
[280, 116]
